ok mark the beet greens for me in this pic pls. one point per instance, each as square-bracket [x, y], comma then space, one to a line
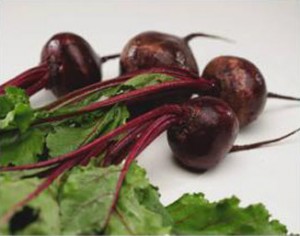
[60, 208]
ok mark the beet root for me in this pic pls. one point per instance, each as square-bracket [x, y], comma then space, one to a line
[155, 49]
[241, 85]
[205, 136]
[72, 62]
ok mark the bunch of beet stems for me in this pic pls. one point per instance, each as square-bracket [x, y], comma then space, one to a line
[32, 80]
[125, 142]
[79, 94]
[184, 81]
[135, 135]
[37, 78]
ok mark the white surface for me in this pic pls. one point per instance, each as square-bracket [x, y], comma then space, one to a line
[267, 33]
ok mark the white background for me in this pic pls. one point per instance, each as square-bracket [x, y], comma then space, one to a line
[266, 32]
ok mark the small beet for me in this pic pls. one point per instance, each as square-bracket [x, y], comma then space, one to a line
[205, 136]
[241, 85]
[73, 64]
[68, 63]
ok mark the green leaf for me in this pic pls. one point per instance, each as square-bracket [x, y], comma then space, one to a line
[16, 111]
[40, 216]
[193, 214]
[67, 137]
[117, 116]
[5, 106]
[21, 148]
[16, 95]
[83, 205]
[86, 203]
[144, 80]
[20, 117]
[86, 198]
[138, 210]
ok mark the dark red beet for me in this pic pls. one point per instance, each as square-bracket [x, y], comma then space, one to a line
[72, 63]
[206, 135]
[154, 49]
[67, 63]
[241, 84]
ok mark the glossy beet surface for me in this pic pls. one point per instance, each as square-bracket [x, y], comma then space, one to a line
[154, 49]
[242, 86]
[205, 135]
[72, 63]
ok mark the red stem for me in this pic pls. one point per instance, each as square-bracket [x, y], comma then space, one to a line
[109, 57]
[194, 35]
[27, 78]
[279, 96]
[112, 153]
[40, 84]
[156, 128]
[93, 153]
[237, 148]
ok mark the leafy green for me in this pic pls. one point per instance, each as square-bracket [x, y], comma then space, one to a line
[139, 210]
[86, 198]
[39, 217]
[15, 110]
[5, 106]
[16, 95]
[82, 203]
[148, 79]
[85, 201]
[21, 148]
[67, 137]
[59, 138]
[193, 214]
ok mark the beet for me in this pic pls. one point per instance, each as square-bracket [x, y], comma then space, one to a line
[68, 63]
[73, 64]
[155, 49]
[241, 85]
[206, 135]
